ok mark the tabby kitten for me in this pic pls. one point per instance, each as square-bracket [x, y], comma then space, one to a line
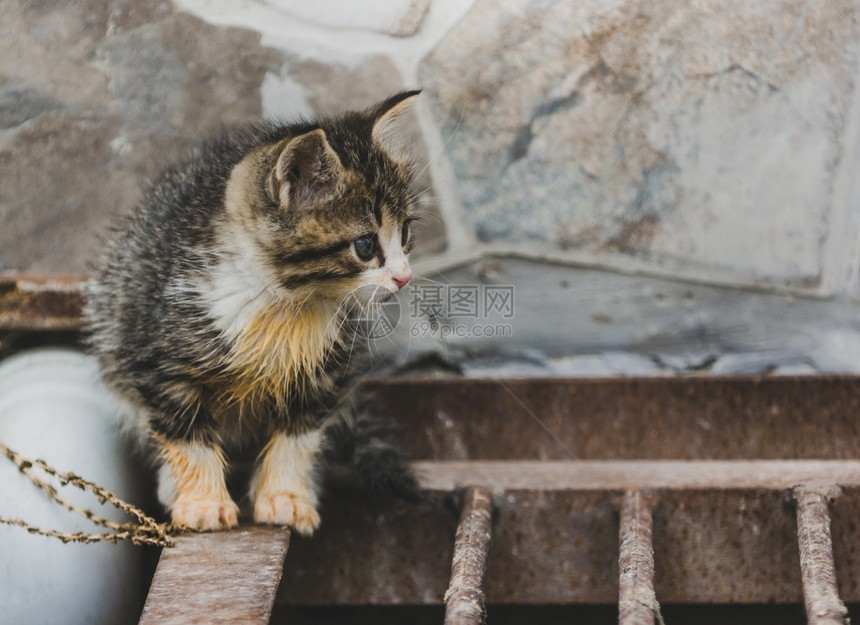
[220, 315]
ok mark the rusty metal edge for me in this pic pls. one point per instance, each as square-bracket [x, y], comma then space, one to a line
[621, 475]
[41, 301]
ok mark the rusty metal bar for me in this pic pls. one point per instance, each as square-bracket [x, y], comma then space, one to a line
[820, 593]
[621, 475]
[637, 602]
[41, 302]
[464, 599]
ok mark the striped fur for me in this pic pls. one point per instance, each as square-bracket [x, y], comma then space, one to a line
[219, 314]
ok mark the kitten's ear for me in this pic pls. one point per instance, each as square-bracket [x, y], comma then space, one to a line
[306, 171]
[390, 122]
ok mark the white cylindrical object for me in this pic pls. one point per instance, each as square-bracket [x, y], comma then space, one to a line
[54, 407]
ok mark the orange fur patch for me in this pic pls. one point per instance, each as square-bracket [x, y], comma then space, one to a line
[280, 348]
[284, 488]
[199, 499]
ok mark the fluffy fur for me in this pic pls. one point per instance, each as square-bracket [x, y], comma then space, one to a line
[220, 312]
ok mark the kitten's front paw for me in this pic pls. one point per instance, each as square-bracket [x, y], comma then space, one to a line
[205, 515]
[285, 508]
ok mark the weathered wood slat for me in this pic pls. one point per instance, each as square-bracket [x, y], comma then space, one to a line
[221, 577]
[464, 599]
[637, 603]
[621, 475]
[820, 594]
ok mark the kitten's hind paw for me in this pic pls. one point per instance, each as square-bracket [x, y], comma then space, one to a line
[285, 508]
[205, 515]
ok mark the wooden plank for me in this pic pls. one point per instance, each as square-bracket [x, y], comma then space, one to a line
[637, 602]
[464, 599]
[620, 475]
[820, 593]
[220, 577]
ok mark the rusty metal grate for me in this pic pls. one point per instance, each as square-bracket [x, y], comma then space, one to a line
[637, 603]
[626, 491]
[233, 577]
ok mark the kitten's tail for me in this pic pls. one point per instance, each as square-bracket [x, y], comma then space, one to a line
[379, 466]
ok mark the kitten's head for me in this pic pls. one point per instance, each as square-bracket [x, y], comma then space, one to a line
[330, 205]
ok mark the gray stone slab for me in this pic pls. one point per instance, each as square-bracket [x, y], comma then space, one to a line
[700, 139]
[586, 320]
[96, 97]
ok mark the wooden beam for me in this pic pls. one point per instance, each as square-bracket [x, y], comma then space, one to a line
[219, 577]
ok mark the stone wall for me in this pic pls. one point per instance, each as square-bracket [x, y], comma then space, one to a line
[665, 186]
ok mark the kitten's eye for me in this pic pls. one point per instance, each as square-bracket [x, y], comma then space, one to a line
[365, 246]
[404, 236]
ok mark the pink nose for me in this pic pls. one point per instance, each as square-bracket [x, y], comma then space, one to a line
[401, 279]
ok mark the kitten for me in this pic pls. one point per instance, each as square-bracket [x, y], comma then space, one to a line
[221, 311]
